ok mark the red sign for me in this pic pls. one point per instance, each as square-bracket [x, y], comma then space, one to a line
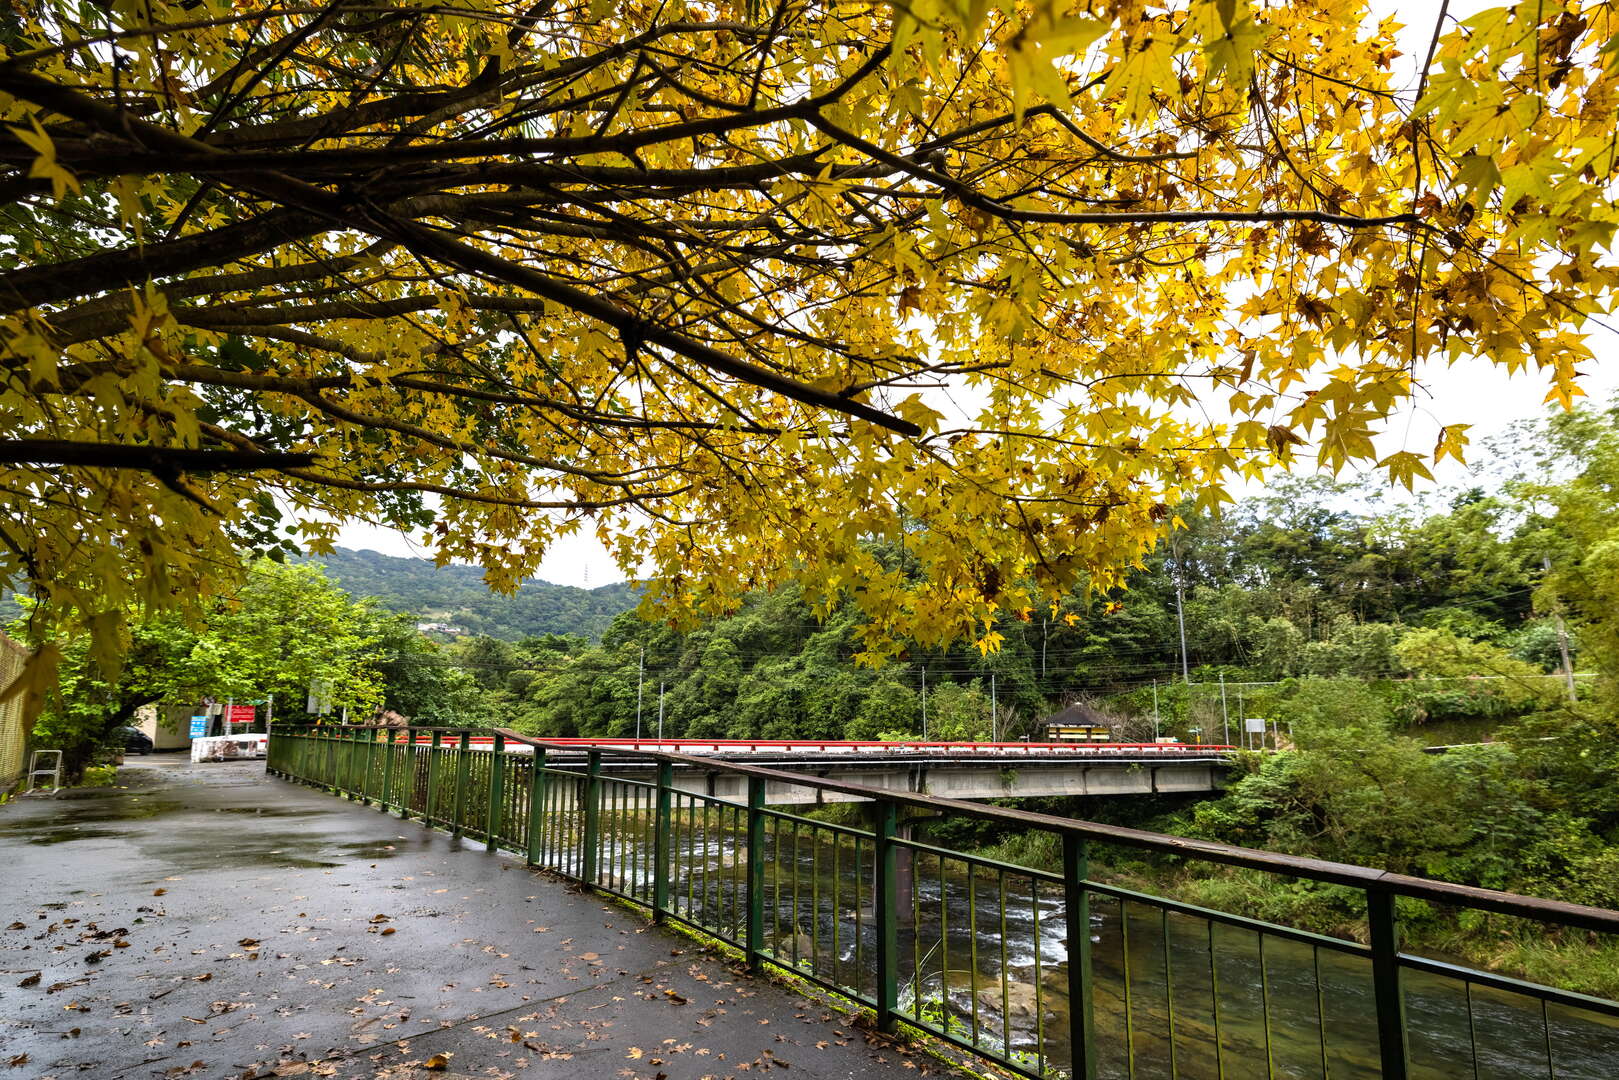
[239, 714]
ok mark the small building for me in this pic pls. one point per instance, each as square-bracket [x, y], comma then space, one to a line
[1078, 722]
[168, 726]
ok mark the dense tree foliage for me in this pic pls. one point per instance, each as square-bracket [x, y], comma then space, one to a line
[1436, 609]
[743, 287]
[287, 629]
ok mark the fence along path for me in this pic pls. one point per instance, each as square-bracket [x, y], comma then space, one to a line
[976, 951]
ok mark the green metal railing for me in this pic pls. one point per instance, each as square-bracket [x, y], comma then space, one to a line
[976, 951]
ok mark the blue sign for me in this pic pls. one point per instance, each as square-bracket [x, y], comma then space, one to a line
[199, 726]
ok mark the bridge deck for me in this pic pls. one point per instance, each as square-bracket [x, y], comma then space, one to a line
[995, 754]
[269, 925]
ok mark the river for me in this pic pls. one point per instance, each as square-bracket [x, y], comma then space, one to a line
[1005, 966]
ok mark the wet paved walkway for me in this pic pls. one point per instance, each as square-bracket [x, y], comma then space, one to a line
[207, 921]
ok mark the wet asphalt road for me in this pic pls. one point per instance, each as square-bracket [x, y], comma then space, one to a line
[208, 921]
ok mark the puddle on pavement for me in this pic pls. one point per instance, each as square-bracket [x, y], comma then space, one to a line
[96, 812]
[257, 847]
[375, 849]
[67, 834]
[267, 811]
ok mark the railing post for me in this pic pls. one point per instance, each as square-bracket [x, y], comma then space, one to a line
[328, 778]
[1077, 918]
[536, 809]
[1383, 929]
[660, 844]
[340, 762]
[587, 857]
[492, 822]
[357, 764]
[887, 822]
[370, 759]
[388, 770]
[432, 776]
[407, 782]
[756, 872]
[463, 777]
[351, 764]
[340, 771]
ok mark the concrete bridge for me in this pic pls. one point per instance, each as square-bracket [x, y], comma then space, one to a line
[956, 770]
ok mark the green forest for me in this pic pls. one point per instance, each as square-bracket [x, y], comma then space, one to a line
[1364, 631]
[457, 596]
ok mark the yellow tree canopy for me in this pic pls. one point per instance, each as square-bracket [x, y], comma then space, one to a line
[744, 286]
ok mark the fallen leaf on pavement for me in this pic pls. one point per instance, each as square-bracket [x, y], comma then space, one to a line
[438, 1062]
[32, 980]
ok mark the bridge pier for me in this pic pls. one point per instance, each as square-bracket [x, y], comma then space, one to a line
[908, 828]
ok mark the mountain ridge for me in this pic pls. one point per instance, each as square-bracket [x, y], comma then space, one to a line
[455, 596]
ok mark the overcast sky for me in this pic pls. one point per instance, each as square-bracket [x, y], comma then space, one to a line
[1474, 393]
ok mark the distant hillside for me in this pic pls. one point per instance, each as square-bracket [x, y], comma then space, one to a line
[456, 596]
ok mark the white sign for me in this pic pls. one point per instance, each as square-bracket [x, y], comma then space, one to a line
[230, 747]
[1253, 726]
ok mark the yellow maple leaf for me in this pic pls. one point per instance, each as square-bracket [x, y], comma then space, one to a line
[45, 166]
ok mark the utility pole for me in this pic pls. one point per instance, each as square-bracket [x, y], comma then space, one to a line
[924, 704]
[1180, 604]
[660, 710]
[992, 715]
[1044, 624]
[1225, 717]
[1180, 617]
[1155, 710]
[640, 682]
[1562, 637]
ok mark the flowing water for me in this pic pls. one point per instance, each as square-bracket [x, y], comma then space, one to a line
[1175, 996]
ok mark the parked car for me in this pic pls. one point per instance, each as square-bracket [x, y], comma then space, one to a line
[133, 740]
